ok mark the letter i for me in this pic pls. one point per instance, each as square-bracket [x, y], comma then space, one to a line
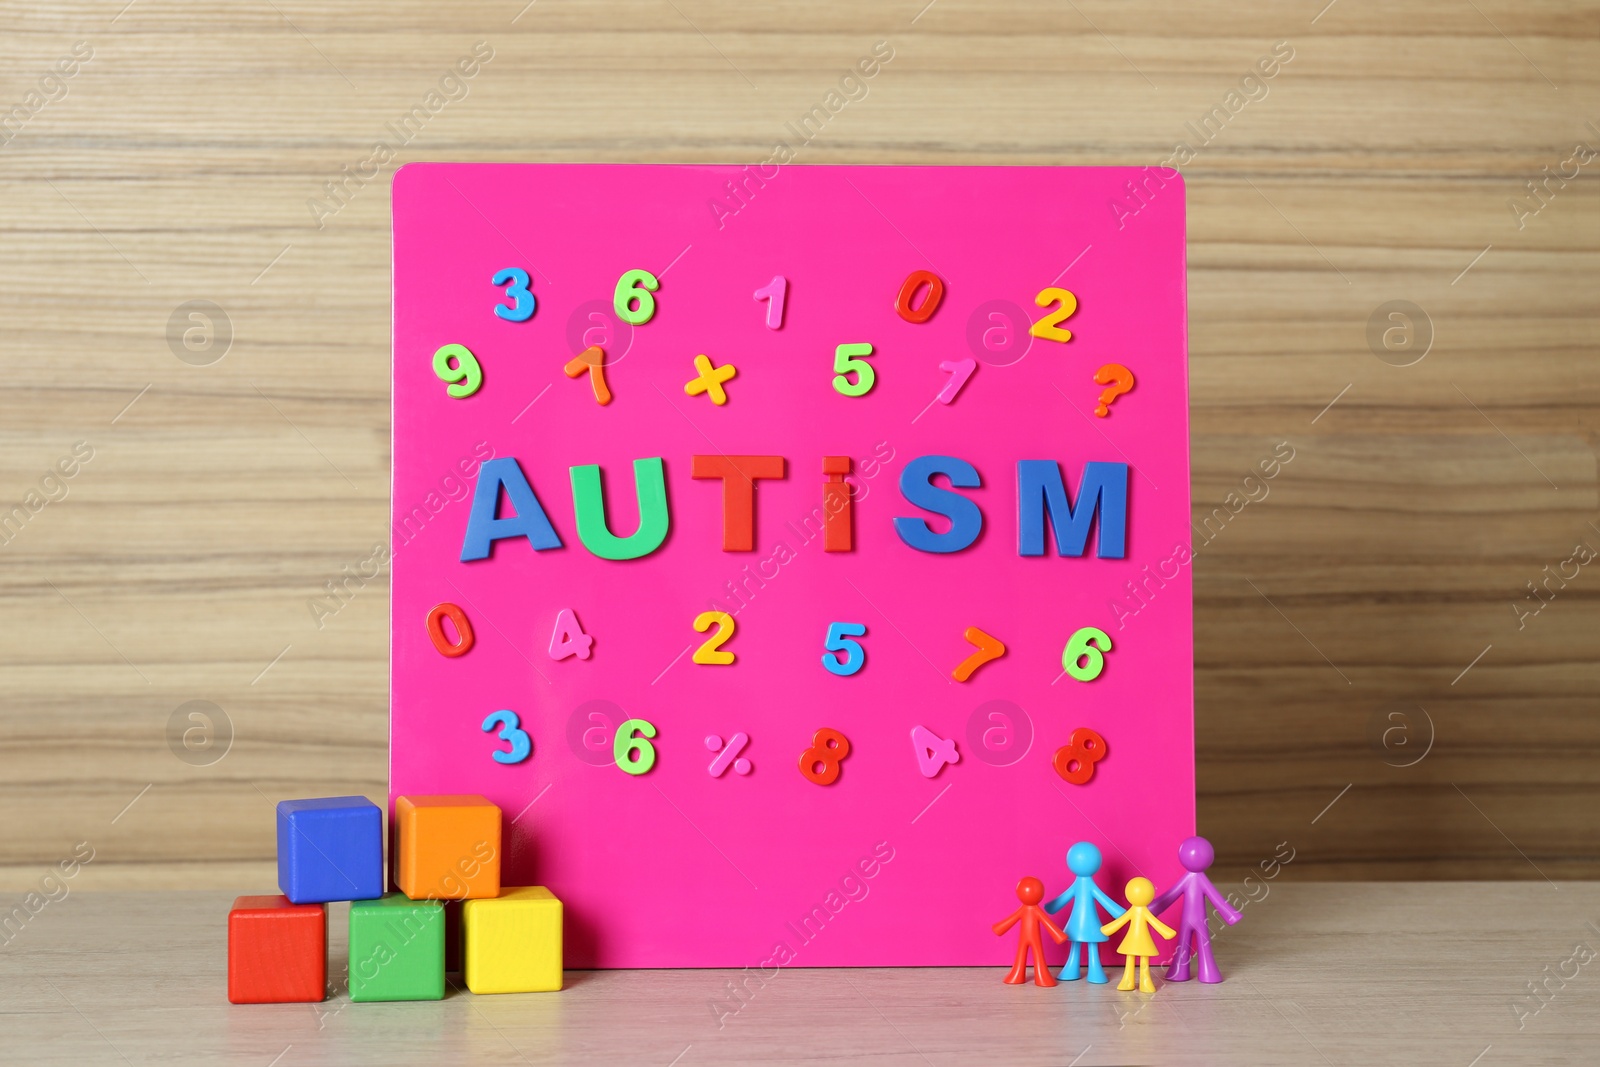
[836, 505]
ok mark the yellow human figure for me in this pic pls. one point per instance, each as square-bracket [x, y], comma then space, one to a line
[1138, 945]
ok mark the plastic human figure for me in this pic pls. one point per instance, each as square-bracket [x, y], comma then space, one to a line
[1195, 888]
[1138, 944]
[1083, 921]
[1030, 891]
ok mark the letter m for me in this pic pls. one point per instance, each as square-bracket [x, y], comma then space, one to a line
[1040, 492]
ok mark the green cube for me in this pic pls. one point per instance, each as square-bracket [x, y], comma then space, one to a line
[396, 949]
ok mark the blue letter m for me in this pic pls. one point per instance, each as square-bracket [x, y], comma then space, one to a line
[1039, 490]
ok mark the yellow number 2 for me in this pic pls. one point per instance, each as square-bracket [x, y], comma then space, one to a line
[711, 652]
[1048, 327]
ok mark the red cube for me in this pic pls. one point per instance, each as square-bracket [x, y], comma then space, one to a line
[277, 951]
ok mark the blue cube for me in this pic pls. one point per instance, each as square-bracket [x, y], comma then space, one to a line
[330, 848]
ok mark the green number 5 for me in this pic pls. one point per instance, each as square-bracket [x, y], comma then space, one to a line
[844, 362]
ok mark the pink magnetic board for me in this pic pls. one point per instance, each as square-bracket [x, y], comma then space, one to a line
[680, 867]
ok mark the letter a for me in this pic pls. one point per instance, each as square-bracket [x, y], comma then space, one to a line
[484, 528]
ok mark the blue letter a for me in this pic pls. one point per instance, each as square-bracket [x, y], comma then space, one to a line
[529, 520]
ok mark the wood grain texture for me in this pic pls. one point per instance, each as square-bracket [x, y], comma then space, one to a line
[1390, 553]
[1339, 974]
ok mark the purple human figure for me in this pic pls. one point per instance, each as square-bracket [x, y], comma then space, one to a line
[1195, 888]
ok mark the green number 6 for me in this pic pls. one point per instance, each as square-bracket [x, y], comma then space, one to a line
[634, 754]
[635, 285]
[1084, 657]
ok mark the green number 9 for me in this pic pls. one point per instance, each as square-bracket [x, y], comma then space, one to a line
[636, 285]
[465, 377]
[633, 753]
[1090, 645]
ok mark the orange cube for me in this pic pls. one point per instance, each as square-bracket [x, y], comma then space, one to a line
[449, 847]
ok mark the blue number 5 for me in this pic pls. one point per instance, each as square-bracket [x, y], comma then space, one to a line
[523, 301]
[510, 731]
[839, 634]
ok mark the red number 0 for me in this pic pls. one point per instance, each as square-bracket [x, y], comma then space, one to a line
[908, 291]
[436, 633]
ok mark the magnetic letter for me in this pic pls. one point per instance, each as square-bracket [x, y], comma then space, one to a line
[589, 508]
[738, 474]
[916, 485]
[836, 505]
[1040, 490]
[484, 528]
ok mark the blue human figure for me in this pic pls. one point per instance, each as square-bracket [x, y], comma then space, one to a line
[1083, 923]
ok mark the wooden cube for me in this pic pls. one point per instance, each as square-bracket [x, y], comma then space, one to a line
[277, 951]
[449, 847]
[330, 848]
[396, 949]
[512, 943]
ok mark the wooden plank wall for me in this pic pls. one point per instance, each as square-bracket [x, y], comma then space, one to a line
[1378, 164]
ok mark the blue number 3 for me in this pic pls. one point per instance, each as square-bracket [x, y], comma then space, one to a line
[839, 634]
[524, 302]
[510, 731]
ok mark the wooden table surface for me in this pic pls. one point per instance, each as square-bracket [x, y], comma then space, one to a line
[1337, 974]
[1384, 572]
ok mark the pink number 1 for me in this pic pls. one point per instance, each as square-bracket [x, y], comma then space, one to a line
[774, 293]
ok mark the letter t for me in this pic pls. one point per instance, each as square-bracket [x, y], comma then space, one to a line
[739, 475]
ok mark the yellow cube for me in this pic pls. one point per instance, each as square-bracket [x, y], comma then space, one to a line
[512, 942]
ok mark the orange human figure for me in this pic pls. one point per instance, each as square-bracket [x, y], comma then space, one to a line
[1138, 945]
[1030, 891]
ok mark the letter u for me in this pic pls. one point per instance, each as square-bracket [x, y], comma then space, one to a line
[589, 508]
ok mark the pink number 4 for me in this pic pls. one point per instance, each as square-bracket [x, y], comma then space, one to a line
[569, 638]
[933, 751]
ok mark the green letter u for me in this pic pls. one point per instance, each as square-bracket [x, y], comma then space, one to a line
[589, 508]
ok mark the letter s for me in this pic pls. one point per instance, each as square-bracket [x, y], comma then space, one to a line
[966, 518]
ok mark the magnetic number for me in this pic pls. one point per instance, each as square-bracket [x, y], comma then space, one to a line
[464, 378]
[632, 752]
[711, 653]
[1048, 327]
[511, 732]
[636, 285]
[441, 641]
[569, 638]
[775, 293]
[959, 370]
[838, 640]
[820, 762]
[933, 751]
[908, 291]
[523, 303]
[1088, 645]
[1075, 760]
[845, 362]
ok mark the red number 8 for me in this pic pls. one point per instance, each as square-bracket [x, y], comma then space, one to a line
[828, 747]
[1076, 759]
